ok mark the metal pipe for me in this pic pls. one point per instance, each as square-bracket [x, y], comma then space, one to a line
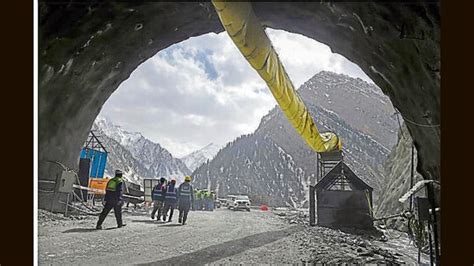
[77, 197]
[89, 213]
[47, 181]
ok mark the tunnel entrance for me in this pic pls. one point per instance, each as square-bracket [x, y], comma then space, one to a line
[87, 50]
[210, 91]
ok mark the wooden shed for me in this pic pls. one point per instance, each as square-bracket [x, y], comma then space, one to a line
[343, 199]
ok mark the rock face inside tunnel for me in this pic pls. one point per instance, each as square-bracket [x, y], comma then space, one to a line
[87, 49]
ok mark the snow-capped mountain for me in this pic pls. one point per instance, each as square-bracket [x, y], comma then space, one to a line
[196, 158]
[121, 158]
[138, 156]
[274, 165]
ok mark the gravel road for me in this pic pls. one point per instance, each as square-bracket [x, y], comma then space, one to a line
[218, 237]
[207, 237]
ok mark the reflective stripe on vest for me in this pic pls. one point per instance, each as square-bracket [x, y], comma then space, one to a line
[158, 191]
[170, 194]
[185, 190]
[113, 183]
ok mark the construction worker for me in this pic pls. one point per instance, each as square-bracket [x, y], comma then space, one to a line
[213, 200]
[197, 202]
[210, 206]
[201, 200]
[113, 200]
[158, 197]
[204, 200]
[171, 198]
[203, 204]
[185, 199]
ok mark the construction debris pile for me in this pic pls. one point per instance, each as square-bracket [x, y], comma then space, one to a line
[325, 245]
[292, 216]
[340, 247]
[49, 218]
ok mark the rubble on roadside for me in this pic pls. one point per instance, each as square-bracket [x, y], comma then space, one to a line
[292, 216]
[50, 218]
[340, 247]
[333, 246]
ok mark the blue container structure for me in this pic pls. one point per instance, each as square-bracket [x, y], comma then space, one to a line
[98, 161]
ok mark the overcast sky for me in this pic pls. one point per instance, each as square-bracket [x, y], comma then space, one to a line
[202, 90]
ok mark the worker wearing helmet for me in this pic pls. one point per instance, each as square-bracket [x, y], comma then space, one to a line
[207, 200]
[185, 199]
[113, 200]
[171, 197]
[158, 196]
[198, 200]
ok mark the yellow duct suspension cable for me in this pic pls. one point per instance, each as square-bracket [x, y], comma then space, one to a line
[247, 33]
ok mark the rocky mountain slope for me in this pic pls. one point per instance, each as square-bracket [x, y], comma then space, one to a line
[138, 156]
[275, 165]
[397, 172]
[196, 158]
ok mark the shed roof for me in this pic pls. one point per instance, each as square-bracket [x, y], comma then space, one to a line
[342, 169]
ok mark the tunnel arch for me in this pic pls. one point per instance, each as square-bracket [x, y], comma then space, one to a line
[87, 49]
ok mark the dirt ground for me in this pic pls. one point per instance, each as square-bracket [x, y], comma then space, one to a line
[218, 237]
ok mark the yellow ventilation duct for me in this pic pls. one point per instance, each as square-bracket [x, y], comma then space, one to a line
[247, 33]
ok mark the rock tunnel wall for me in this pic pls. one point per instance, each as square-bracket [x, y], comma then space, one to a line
[87, 49]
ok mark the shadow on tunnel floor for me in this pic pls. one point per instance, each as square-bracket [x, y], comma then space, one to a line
[227, 249]
[80, 230]
[87, 230]
[149, 221]
[172, 224]
[157, 222]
